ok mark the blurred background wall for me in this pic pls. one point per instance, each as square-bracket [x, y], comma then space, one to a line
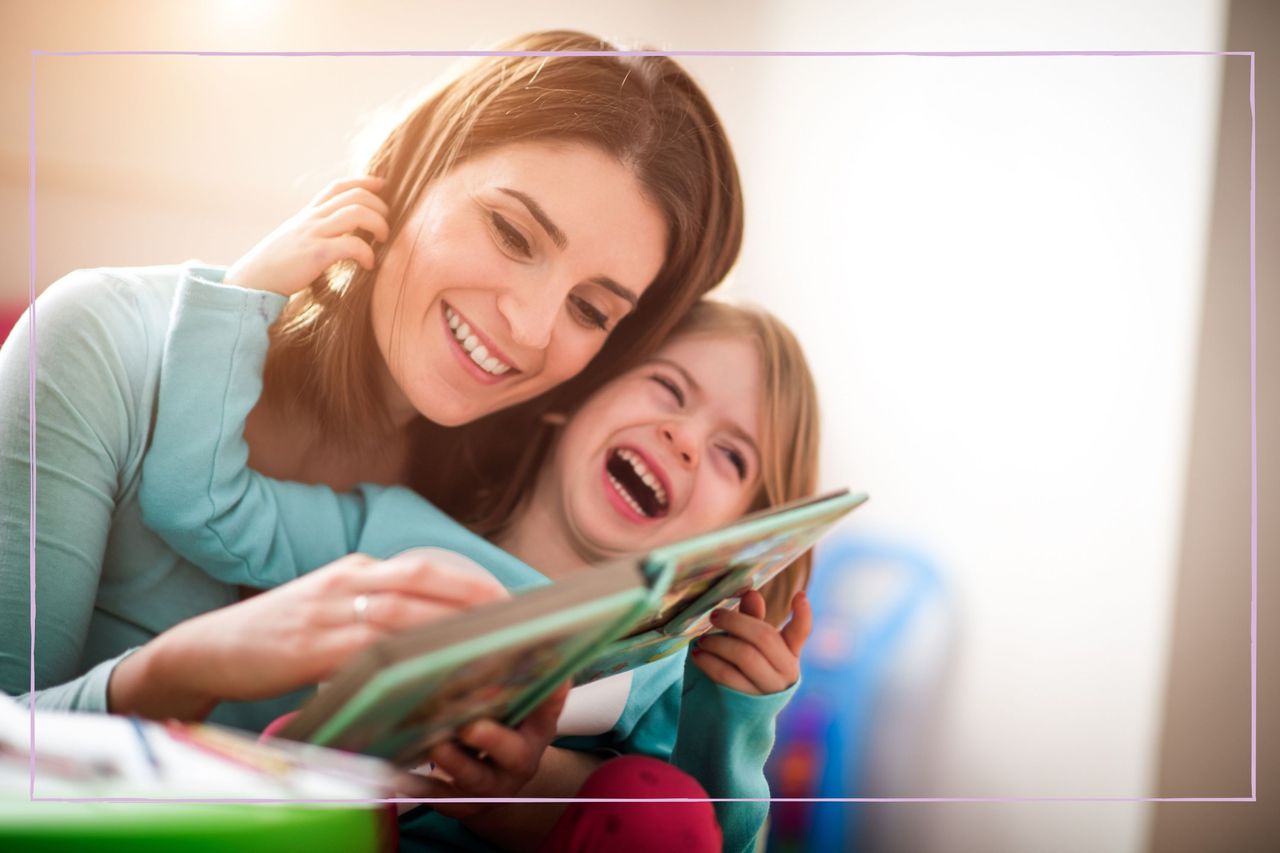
[999, 267]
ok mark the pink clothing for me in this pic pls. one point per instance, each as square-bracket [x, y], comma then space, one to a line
[637, 827]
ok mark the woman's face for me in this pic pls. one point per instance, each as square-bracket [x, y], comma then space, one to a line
[508, 276]
[665, 451]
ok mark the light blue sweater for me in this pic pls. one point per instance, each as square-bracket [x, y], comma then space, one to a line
[244, 528]
[105, 584]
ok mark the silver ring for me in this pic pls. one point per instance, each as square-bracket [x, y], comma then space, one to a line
[360, 604]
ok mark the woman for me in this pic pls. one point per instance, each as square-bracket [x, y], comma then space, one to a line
[721, 420]
[357, 383]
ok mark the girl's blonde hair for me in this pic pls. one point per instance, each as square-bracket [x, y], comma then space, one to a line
[789, 421]
[789, 437]
[644, 110]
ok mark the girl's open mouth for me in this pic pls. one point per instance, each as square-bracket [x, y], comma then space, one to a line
[639, 487]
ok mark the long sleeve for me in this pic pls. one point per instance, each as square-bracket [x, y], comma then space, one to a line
[198, 493]
[722, 738]
[92, 351]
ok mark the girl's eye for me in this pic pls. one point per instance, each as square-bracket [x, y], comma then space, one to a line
[588, 314]
[670, 386]
[510, 235]
[737, 460]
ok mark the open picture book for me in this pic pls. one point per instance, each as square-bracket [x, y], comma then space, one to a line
[501, 660]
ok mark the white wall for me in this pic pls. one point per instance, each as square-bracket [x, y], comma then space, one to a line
[995, 265]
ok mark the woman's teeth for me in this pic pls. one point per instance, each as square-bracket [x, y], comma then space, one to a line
[472, 346]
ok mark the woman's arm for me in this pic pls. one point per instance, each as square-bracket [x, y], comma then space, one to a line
[92, 358]
[289, 637]
[198, 493]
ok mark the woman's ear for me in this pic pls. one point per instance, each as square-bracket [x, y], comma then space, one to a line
[555, 419]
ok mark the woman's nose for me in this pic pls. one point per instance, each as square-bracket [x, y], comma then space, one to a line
[531, 314]
[681, 443]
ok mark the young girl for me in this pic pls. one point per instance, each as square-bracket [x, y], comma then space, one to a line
[722, 420]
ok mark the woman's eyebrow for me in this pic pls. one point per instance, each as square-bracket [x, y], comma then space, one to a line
[561, 241]
[535, 209]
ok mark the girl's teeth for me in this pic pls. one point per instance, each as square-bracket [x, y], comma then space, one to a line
[643, 472]
[470, 343]
[454, 322]
[463, 331]
[626, 496]
[479, 354]
[489, 363]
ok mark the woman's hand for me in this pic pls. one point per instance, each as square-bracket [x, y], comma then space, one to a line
[291, 636]
[753, 656]
[319, 235]
[497, 762]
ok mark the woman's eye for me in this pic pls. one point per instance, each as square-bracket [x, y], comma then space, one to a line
[737, 460]
[670, 386]
[510, 235]
[588, 314]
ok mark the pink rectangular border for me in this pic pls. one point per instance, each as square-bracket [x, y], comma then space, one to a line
[1253, 401]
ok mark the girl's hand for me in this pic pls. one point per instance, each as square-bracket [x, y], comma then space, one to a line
[291, 636]
[319, 235]
[753, 656]
[498, 761]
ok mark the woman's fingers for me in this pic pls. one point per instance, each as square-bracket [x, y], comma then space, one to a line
[385, 612]
[359, 196]
[722, 671]
[412, 574]
[373, 183]
[345, 220]
[346, 247]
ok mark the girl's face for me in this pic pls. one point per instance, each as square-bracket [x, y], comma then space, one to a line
[508, 276]
[666, 451]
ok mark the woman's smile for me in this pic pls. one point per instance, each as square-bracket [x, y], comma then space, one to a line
[476, 351]
[523, 258]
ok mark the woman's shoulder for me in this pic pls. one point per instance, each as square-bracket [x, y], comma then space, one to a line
[125, 295]
[118, 313]
[100, 336]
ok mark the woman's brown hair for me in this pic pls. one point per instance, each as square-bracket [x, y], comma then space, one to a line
[644, 110]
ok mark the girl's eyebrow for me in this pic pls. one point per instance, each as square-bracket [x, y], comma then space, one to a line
[736, 430]
[557, 236]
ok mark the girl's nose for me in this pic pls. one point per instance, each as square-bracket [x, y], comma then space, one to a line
[681, 444]
[531, 313]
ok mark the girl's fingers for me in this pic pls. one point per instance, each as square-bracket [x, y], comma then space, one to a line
[795, 632]
[541, 723]
[469, 773]
[358, 196]
[372, 183]
[503, 746]
[757, 633]
[748, 660]
[721, 671]
[752, 604]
